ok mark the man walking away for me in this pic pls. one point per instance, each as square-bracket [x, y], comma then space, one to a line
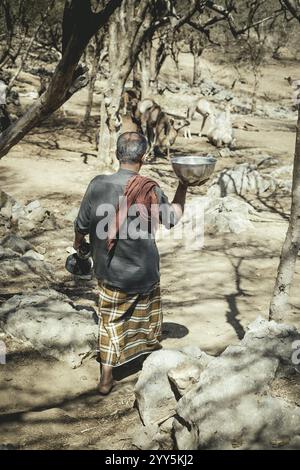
[126, 265]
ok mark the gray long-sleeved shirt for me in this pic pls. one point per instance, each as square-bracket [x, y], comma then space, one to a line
[134, 265]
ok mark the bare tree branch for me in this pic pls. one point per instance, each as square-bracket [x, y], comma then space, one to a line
[67, 78]
[27, 50]
[293, 7]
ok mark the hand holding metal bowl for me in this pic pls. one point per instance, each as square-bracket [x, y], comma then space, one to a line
[193, 170]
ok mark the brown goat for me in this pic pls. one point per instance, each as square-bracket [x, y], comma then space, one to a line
[160, 129]
[129, 100]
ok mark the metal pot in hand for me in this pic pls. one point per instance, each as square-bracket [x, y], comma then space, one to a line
[192, 170]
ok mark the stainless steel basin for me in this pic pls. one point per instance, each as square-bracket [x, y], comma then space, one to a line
[191, 169]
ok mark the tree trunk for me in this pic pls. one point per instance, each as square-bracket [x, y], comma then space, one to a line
[160, 58]
[145, 70]
[112, 99]
[175, 55]
[104, 137]
[79, 25]
[136, 77]
[153, 81]
[196, 68]
[92, 83]
[254, 94]
[10, 30]
[290, 249]
[111, 122]
[132, 35]
[109, 127]
[90, 99]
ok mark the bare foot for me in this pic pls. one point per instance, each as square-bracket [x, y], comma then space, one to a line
[106, 380]
[105, 388]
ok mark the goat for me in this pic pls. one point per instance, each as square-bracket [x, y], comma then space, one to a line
[160, 129]
[129, 99]
[220, 130]
[295, 84]
[144, 111]
[204, 108]
[167, 130]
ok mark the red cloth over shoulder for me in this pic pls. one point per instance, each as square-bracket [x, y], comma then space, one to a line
[139, 190]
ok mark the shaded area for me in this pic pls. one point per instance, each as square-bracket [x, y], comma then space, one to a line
[173, 330]
[233, 312]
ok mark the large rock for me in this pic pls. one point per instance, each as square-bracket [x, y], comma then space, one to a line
[187, 374]
[275, 112]
[25, 218]
[7, 204]
[214, 214]
[156, 398]
[241, 180]
[228, 214]
[19, 272]
[34, 255]
[284, 177]
[7, 253]
[35, 217]
[285, 53]
[54, 327]
[22, 267]
[147, 437]
[154, 437]
[232, 404]
[16, 243]
[209, 87]
[71, 214]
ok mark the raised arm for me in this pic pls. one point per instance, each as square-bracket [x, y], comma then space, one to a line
[178, 202]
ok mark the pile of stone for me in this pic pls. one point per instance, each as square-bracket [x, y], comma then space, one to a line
[208, 87]
[25, 219]
[228, 214]
[47, 321]
[284, 178]
[246, 398]
[224, 209]
[243, 104]
[41, 317]
[275, 112]
[17, 245]
[22, 266]
[241, 180]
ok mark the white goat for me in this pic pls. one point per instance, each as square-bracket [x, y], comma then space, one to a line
[220, 132]
[204, 108]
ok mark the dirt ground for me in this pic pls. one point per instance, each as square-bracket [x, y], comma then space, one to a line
[209, 295]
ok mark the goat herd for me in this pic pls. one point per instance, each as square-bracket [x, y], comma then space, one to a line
[162, 128]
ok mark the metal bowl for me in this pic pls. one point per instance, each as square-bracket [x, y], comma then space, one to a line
[192, 170]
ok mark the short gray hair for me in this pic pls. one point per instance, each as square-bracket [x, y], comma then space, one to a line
[131, 147]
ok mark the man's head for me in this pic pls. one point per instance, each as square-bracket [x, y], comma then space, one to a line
[131, 147]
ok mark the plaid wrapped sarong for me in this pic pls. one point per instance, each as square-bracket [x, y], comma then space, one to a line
[130, 324]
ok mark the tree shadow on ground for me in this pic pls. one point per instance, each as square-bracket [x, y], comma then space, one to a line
[233, 312]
